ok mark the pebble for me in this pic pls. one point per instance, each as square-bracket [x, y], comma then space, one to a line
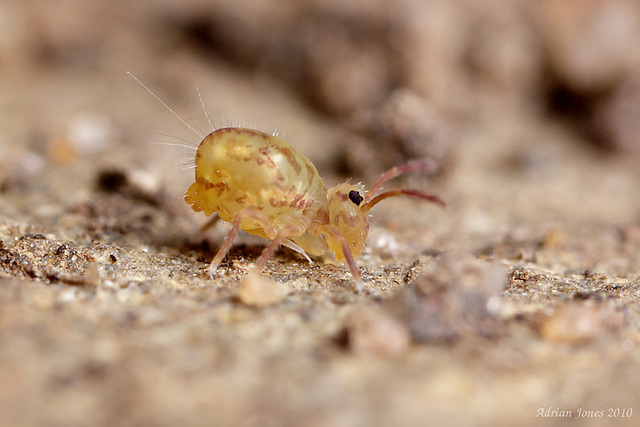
[374, 331]
[458, 296]
[591, 43]
[575, 322]
[259, 291]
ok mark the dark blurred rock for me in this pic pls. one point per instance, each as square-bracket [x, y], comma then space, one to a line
[579, 321]
[374, 331]
[459, 297]
[592, 44]
[406, 127]
[617, 118]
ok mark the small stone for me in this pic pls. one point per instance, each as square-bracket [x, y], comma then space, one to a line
[617, 118]
[374, 331]
[555, 239]
[591, 44]
[458, 296]
[574, 322]
[89, 133]
[259, 291]
[405, 127]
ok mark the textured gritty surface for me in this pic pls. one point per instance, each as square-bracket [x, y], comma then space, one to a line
[522, 295]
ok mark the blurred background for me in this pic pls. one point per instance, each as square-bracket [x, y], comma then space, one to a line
[365, 67]
[530, 108]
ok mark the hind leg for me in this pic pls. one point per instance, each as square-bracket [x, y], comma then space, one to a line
[268, 252]
[226, 245]
[235, 227]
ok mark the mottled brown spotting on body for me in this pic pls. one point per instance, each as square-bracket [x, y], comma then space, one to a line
[233, 155]
[296, 199]
[208, 185]
[203, 182]
[351, 221]
[289, 193]
[319, 217]
[310, 180]
[291, 158]
[221, 186]
[302, 204]
[250, 132]
[310, 170]
[266, 152]
[262, 160]
[277, 203]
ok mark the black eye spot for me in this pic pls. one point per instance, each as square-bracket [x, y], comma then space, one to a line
[355, 197]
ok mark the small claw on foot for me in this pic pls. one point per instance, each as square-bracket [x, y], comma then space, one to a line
[359, 285]
[213, 268]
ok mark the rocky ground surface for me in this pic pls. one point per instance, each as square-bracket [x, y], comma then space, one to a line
[517, 304]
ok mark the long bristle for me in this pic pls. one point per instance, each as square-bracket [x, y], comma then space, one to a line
[206, 112]
[171, 144]
[193, 129]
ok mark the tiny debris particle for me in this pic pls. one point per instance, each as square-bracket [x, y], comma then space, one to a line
[113, 258]
[89, 133]
[374, 331]
[60, 151]
[259, 291]
[34, 236]
[575, 322]
[61, 250]
[111, 181]
[92, 276]
[555, 239]
[131, 185]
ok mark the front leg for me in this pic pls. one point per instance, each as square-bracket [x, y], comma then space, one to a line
[331, 231]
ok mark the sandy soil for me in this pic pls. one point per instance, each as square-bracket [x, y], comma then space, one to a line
[517, 304]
